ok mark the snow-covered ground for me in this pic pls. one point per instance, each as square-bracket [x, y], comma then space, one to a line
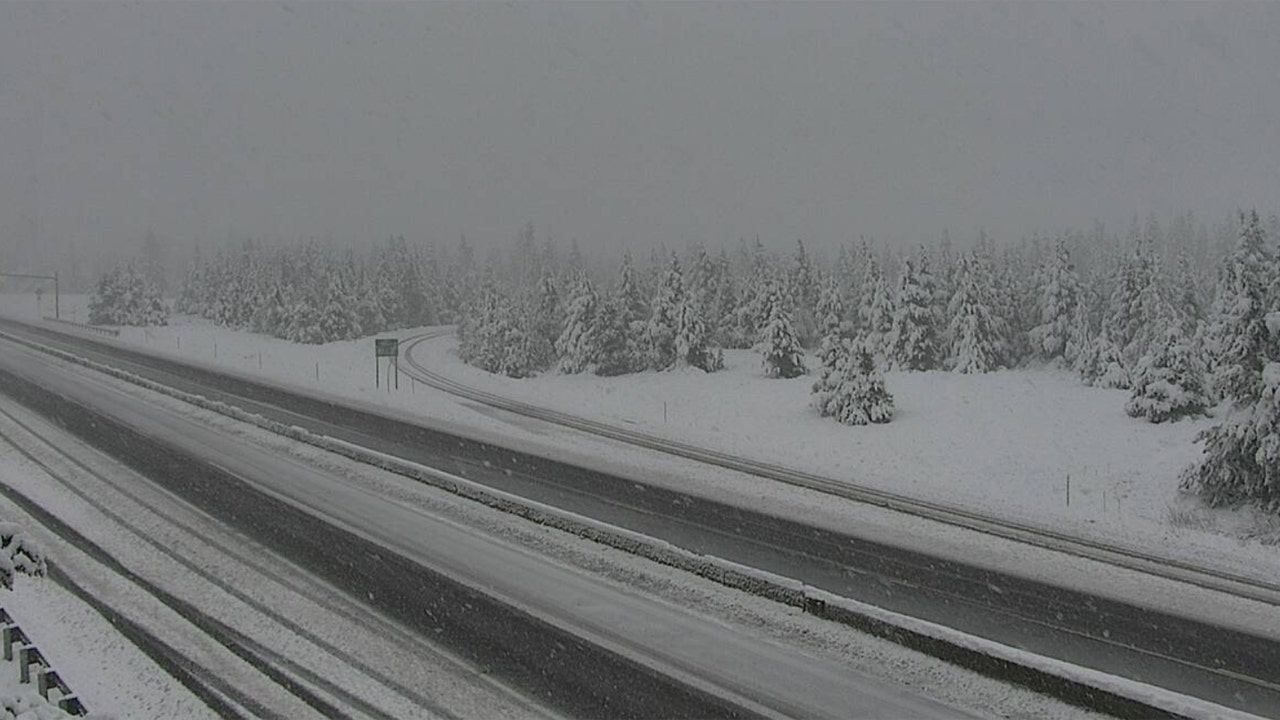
[1005, 443]
[770, 621]
[112, 677]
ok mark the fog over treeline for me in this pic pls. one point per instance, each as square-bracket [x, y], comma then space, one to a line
[622, 126]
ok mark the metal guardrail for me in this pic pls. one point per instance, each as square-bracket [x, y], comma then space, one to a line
[1014, 669]
[109, 332]
[33, 665]
[1112, 554]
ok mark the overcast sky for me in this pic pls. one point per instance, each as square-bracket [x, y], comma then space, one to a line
[629, 123]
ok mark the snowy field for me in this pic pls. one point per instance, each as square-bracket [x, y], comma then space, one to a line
[1032, 445]
[1007, 443]
[99, 661]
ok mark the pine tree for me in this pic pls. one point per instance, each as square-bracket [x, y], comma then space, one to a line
[615, 352]
[476, 333]
[1241, 460]
[1012, 304]
[1237, 335]
[913, 341]
[973, 328]
[1186, 297]
[693, 345]
[849, 281]
[803, 287]
[780, 349]
[125, 296]
[1135, 303]
[664, 322]
[726, 303]
[833, 353]
[1168, 382]
[875, 313]
[1059, 295]
[831, 323]
[833, 358]
[704, 285]
[495, 340]
[1100, 364]
[931, 288]
[633, 305]
[633, 315]
[541, 325]
[578, 344]
[338, 320]
[854, 392]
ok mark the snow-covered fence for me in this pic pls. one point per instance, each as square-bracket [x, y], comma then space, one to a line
[110, 332]
[32, 665]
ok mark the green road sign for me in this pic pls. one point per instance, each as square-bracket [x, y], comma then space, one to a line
[386, 347]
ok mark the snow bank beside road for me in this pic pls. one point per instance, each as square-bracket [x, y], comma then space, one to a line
[1033, 446]
[1004, 443]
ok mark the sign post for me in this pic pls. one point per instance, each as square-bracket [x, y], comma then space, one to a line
[57, 312]
[385, 347]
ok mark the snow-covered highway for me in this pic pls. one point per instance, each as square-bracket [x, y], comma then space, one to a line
[717, 669]
[1206, 659]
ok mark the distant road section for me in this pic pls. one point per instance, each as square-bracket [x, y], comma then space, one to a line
[1221, 665]
[582, 646]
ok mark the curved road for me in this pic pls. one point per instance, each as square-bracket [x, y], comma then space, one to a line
[580, 643]
[1224, 666]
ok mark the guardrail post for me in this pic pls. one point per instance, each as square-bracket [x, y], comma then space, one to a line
[9, 635]
[27, 656]
[71, 705]
[46, 679]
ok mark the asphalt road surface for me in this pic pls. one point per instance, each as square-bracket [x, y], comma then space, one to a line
[1221, 665]
[579, 644]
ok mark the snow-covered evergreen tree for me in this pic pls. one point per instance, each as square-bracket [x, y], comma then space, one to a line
[693, 344]
[833, 353]
[664, 322]
[726, 303]
[848, 278]
[632, 315]
[1101, 365]
[1059, 293]
[1168, 382]
[578, 346]
[833, 359]
[781, 354]
[974, 330]
[1237, 334]
[938, 302]
[616, 354]
[542, 323]
[913, 339]
[853, 392]
[876, 312]
[126, 296]
[338, 320]
[1186, 295]
[495, 340]
[1241, 460]
[803, 286]
[831, 323]
[1136, 303]
[703, 288]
